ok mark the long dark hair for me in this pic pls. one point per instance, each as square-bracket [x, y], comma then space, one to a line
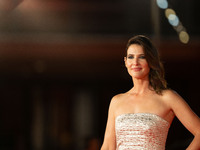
[157, 73]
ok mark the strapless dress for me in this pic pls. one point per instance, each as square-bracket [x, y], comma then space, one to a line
[141, 131]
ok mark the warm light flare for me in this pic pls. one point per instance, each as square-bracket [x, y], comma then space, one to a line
[9, 5]
[184, 37]
[169, 11]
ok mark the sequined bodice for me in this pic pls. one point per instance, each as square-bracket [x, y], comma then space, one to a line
[141, 131]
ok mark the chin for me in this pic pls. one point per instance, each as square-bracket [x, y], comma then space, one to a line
[136, 77]
[139, 76]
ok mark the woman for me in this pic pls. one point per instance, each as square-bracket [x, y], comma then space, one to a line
[140, 118]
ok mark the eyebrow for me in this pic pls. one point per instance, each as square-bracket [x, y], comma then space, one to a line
[137, 54]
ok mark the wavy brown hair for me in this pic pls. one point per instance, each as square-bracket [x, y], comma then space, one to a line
[157, 73]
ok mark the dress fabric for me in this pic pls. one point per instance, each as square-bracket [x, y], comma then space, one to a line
[141, 131]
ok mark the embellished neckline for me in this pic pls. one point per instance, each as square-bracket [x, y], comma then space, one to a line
[151, 114]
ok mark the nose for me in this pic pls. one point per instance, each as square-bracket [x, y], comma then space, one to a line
[135, 61]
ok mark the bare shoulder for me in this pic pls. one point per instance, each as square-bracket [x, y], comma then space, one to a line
[118, 98]
[172, 97]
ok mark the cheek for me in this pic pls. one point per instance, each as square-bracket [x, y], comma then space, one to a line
[128, 64]
[147, 68]
[145, 64]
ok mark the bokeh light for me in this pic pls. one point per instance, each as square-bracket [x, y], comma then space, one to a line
[184, 37]
[179, 27]
[173, 19]
[162, 3]
[169, 11]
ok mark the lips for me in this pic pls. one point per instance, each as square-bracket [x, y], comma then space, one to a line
[136, 69]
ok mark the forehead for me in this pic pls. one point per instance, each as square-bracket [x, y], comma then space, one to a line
[135, 49]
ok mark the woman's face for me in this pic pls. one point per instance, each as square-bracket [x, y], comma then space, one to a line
[136, 62]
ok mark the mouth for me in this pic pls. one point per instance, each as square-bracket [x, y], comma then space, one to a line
[136, 69]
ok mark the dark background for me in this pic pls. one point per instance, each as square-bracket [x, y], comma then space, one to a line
[61, 61]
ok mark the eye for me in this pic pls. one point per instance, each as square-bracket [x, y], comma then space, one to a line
[142, 57]
[130, 57]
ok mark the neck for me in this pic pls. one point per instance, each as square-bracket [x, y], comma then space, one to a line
[140, 86]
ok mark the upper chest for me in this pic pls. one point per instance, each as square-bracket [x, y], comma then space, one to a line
[143, 103]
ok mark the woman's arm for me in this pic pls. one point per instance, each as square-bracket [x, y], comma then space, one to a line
[187, 117]
[194, 145]
[109, 142]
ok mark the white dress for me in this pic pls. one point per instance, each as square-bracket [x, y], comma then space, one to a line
[141, 131]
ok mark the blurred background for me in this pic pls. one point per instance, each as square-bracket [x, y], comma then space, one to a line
[61, 62]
